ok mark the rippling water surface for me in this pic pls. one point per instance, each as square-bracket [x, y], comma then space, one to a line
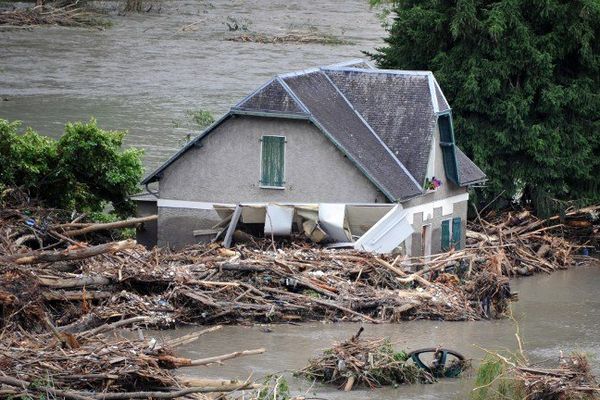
[145, 72]
[560, 312]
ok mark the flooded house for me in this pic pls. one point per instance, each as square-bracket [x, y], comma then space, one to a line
[344, 153]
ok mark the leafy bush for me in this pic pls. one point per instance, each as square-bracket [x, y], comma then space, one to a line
[84, 170]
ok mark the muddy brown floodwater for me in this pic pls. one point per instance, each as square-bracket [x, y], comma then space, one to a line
[144, 73]
[558, 312]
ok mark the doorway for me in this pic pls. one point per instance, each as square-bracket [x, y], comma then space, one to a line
[426, 240]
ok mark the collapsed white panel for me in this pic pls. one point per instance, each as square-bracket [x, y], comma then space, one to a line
[387, 233]
[278, 220]
[332, 219]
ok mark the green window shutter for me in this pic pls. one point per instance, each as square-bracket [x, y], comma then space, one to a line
[447, 145]
[272, 168]
[446, 235]
[456, 232]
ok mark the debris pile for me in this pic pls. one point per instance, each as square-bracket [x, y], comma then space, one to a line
[522, 244]
[99, 364]
[69, 15]
[514, 377]
[572, 379]
[48, 273]
[310, 37]
[368, 362]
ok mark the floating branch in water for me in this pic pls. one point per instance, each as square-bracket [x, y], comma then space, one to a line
[292, 37]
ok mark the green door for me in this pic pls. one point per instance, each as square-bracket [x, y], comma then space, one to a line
[273, 163]
[446, 235]
[456, 232]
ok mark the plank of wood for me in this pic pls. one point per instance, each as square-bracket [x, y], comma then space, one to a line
[235, 218]
[110, 225]
[69, 254]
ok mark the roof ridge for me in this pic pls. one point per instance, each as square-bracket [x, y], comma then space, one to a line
[379, 71]
[284, 86]
[439, 89]
[364, 121]
[434, 100]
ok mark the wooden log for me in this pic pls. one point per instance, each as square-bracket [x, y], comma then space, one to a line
[114, 325]
[111, 225]
[167, 361]
[327, 303]
[167, 395]
[191, 337]
[225, 384]
[74, 296]
[402, 276]
[28, 387]
[349, 384]
[74, 282]
[68, 254]
[235, 217]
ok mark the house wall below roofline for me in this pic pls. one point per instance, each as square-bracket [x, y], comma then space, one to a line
[176, 226]
[178, 219]
[435, 219]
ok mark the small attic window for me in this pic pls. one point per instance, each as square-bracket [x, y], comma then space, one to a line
[447, 145]
[272, 170]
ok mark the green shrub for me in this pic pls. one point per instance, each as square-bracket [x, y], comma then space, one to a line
[522, 79]
[85, 170]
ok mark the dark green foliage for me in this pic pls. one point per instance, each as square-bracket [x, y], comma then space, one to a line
[84, 170]
[523, 79]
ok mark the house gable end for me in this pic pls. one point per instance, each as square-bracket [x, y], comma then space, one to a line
[271, 97]
[228, 168]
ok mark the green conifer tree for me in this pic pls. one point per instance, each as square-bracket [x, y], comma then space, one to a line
[523, 80]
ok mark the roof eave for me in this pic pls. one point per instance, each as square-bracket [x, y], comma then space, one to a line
[474, 182]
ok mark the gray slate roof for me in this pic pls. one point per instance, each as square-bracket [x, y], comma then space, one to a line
[272, 97]
[397, 107]
[335, 114]
[468, 172]
[383, 120]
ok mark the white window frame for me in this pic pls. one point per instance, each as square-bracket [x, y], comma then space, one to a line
[284, 163]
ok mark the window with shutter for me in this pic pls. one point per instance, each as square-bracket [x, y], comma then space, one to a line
[272, 161]
[447, 145]
[456, 232]
[446, 235]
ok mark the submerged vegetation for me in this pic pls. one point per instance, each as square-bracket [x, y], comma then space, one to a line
[514, 378]
[85, 170]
